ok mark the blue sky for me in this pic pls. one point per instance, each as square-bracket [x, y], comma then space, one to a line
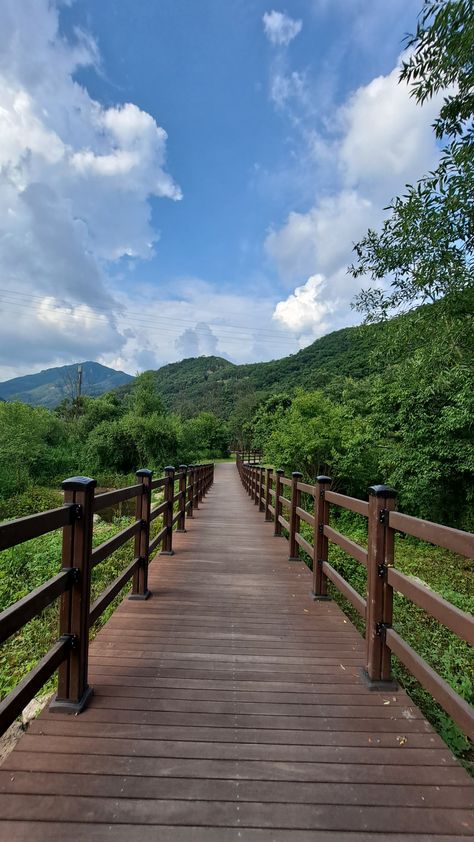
[286, 134]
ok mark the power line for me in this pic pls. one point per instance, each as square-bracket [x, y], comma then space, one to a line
[131, 315]
[163, 324]
[251, 332]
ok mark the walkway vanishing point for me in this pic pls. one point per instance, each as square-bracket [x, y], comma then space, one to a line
[230, 707]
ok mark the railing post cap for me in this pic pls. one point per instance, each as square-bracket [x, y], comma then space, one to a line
[382, 491]
[169, 468]
[322, 478]
[280, 471]
[296, 474]
[183, 467]
[78, 483]
[144, 472]
[270, 470]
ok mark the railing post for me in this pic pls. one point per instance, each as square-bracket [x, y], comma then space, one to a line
[190, 502]
[294, 517]
[261, 489]
[73, 688]
[142, 538]
[181, 522]
[379, 592]
[278, 505]
[320, 542]
[268, 516]
[197, 469]
[256, 476]
[202, 469]
[167, 545]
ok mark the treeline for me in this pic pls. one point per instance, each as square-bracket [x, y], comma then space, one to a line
[409, 424]
[106, 437]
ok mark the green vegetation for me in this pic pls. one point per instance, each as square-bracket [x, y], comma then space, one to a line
[230, 391]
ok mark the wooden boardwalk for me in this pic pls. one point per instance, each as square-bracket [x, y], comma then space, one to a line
[230, 707]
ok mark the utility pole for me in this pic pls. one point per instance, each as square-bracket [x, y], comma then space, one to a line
[79, 389]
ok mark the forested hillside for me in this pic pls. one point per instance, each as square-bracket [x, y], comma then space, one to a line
[213, 383]
[50, 387]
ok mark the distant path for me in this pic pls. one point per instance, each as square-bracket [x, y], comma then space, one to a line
[230, 707]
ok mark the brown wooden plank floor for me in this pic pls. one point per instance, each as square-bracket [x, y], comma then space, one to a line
[230, 707]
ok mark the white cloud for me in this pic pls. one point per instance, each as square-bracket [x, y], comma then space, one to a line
[323, 236]
[51, 333]
[197, 342]
[305, 311]
[279, 28]
[75, 180]
[200, 318]
[288, 88]
[387, 138]
[379, 140]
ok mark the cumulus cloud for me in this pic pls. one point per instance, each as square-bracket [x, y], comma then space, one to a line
[379, 140]
[323, 236]
[387, 138]
[75, 180]
[280, 29]
[197, 342]
[305, 311]
[53, 334]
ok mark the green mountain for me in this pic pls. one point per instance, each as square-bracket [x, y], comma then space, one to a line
[213, 383]
[50, 387]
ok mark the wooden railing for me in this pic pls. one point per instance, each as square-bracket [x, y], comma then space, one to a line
[250, 456]
[72, 585]
[267, 489]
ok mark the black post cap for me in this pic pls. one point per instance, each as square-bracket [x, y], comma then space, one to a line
[296, 474]
[382, 491]
[280, 471]
[78, 483]
[144, 472]
[183, 467]
[169, 468]
[323, 478]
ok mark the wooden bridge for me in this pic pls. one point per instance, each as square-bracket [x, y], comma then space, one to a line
[231, 706]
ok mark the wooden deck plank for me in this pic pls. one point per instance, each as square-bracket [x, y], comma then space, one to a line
[230, 706]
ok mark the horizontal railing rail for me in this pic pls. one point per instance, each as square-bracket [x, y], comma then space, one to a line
[265, 485]
[33, 526]
[111, 498]
[72, 584]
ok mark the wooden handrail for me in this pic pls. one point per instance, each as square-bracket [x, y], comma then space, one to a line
[23, 529]
[72, 584]
[19, 614]
[108, 547]
[382, 577]
[111, 498]
[442, 536]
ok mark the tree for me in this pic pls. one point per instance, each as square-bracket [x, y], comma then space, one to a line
[33, 446]
[426, 245]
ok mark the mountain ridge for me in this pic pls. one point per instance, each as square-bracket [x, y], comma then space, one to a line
[198, 384]
[51, 385]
